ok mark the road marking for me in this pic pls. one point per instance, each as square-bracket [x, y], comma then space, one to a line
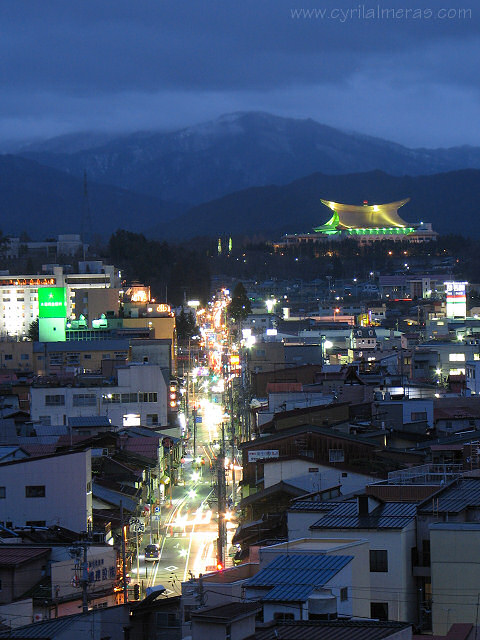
[171, 568]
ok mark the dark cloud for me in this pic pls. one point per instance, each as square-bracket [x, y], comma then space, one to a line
[100, 64]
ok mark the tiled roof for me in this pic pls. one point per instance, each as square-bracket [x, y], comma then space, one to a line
[390, 515]
[11, 557]
[294, 576]
[332, 630]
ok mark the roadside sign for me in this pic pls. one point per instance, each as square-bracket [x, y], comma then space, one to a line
[157, 509]
[198, 419]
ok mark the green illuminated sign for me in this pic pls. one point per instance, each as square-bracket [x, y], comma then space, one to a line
[52, 302]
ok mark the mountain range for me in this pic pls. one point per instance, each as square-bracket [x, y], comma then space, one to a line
[234, 152]
[242, 173]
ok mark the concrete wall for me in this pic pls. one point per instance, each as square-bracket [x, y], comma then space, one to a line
[276, 471]
[68, 497]
[455, 564]
[396, 587]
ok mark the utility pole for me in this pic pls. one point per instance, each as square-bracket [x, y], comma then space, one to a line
[194, 431]
[84, 578]
[232, 433]
[124, 557]
[221, 491]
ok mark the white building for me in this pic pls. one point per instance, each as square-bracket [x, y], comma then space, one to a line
[48, 490]
[390, 530]
[19, 294]
[138, 398]
[312, 579]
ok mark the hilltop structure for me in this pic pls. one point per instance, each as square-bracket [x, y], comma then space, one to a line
[365, 224]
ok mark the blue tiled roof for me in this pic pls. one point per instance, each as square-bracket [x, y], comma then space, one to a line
[295, 576]
[390, 515]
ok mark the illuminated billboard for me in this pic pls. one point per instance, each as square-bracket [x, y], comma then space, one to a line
[456, 299]
[52, 302]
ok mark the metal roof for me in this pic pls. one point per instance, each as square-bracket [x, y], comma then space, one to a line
[46, 630]
[331, 630]
[311, 505]
[12, 557]
[294, 576]
[119, 344]
[389, 515]
[89, 421]
[455, 497]
[113, 497]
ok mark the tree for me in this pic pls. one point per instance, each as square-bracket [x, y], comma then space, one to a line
[186, 326]
[33, 331]
[240, 306]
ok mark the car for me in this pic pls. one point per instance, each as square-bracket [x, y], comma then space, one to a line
[152, 552]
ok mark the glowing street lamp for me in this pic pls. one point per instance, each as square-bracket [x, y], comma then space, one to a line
[270, 304]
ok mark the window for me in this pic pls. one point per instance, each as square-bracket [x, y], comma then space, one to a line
[379, 610]
[54, 401]
[281, 616]
[416, 416]
[343, 594]
[152, 418]
[24, 356]
[8, 356]
[35, 523]
[113, 398]
[2, 492]
[35, 491]
[84, 400]
[87, 356]
[147, 397]
[456, 357]
[46, 420]
[336, 455]
[378, 561]
[129, 397]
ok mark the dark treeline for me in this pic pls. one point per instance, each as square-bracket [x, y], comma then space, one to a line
[173, 272]
[347, 259]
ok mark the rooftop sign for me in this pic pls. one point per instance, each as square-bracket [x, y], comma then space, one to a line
[52, 302]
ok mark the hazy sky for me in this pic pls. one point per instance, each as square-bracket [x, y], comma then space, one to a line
[403, 70]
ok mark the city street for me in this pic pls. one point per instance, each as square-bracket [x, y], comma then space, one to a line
[187, 529]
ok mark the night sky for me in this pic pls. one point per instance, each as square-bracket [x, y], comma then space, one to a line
[121, 66]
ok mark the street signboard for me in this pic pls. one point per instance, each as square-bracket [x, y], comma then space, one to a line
[137, 528]
[198, 419]
[157, 509]
[263, 454]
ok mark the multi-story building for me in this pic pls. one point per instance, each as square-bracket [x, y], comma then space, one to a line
[138, 396]
[47, 490]
[19, 293]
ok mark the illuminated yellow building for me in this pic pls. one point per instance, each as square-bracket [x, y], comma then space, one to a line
[365, 223]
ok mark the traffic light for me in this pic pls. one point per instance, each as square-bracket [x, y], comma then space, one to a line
[136, 592]
[173, 394]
